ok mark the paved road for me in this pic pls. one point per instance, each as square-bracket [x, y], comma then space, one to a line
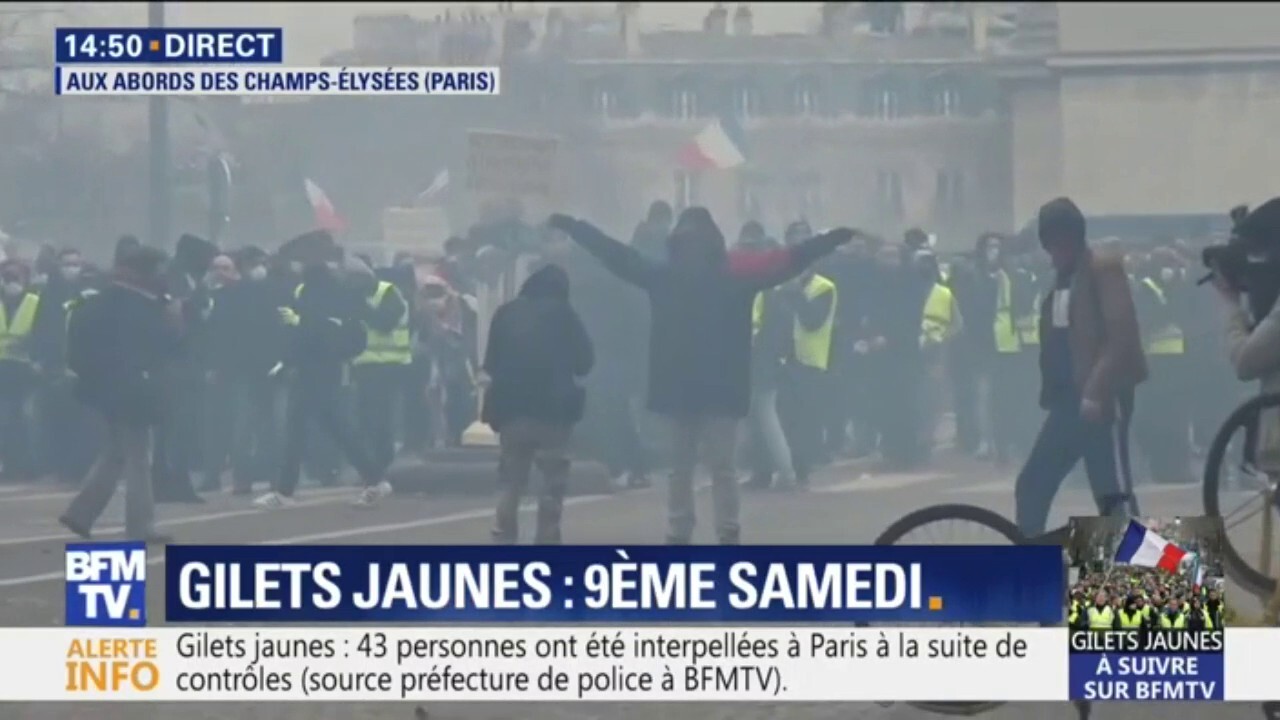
[848, 504]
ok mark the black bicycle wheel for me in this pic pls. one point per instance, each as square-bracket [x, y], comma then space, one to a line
[940, 514]
[929, 519]
[1234, 513]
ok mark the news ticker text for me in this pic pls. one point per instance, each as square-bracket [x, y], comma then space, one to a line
[611, 663]
[127, 81]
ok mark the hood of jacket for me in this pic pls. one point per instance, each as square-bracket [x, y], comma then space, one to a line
[551, 282]
[696, 242]
[193, 254]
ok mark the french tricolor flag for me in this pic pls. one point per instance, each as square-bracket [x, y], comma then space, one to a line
[720, 146]
[1140, 546]
[326, 215]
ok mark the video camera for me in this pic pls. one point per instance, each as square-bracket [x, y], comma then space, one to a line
[1248, 259]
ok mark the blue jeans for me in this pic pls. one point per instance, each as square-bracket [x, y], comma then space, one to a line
[1064, 439]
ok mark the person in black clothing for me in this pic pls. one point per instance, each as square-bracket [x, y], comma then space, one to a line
[67, 438]
[897, 363]
[323, 333]
[117, 343]
[537, 350]
[177, 449]
[611, 311]
[650, 236]
[242, 346]
[211, 352]
[852, 269]
[700, 345]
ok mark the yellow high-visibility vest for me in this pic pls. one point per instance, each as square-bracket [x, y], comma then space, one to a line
[1131, 620]
[1179, 621]
[390, 348]
[16, 329]
[939, 313]
[1102, 619]
[1168, 339]
[813, 347]
[1005, 330]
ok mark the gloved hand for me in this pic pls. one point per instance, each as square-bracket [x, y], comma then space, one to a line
[288, 316]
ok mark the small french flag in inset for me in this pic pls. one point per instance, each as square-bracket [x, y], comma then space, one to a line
[1142, 547]
[719, 146]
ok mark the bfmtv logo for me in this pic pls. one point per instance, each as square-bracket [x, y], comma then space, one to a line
[106, 584]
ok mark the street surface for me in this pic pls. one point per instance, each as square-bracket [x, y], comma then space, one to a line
[849, 503]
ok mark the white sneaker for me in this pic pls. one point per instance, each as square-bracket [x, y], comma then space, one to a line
[272, 501]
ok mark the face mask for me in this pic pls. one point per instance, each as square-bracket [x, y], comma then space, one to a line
[213, 282]
[71, 272]
[13, 288]
[258, 272]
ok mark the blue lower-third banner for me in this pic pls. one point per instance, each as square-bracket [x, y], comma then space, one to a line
[1127, 677]
[658, 584]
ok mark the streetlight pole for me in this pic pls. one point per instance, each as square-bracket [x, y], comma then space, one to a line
[159, 200]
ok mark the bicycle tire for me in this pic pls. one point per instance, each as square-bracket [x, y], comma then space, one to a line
[941, 513]
[1238, 568]
[953, 511]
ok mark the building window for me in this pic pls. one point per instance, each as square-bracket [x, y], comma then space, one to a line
[804, 100]
[946, 99]
[883, 101]
[949, 194]
[684, 104]
[889, 194]
[604, 102]
[750, 204]
[686, 195]
[746, 102]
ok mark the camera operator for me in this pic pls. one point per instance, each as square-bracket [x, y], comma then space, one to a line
[1248, 269]
[1246, 274]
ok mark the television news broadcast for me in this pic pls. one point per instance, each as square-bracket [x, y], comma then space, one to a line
[636, 360]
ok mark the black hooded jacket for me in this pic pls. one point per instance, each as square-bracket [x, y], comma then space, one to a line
[329, 332]
[700, 308]
[536, 351]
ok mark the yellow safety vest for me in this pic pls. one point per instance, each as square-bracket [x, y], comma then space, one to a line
[1179, 621]
[939, 312]
[391, 348]
[1101, 619]
[1131, 620]
[813, 347]
[1168, 339]
[1006, 332]
[757, 315]
[16, 329]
